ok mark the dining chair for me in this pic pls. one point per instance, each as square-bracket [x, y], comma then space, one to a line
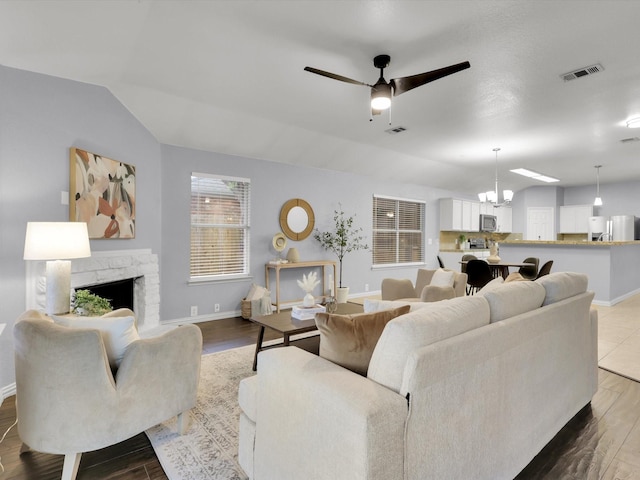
[545, 269]
[530, 272]
[478, 275]
[466, 258]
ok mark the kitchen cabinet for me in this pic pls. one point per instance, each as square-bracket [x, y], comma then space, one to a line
[575, 218]
[487, 208]
[459, 215]
[505, 219]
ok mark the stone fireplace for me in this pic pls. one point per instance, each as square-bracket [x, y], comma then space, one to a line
[106, 267]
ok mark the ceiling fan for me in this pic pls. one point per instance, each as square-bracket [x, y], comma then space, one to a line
[382, 90]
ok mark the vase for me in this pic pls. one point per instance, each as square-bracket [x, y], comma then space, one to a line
[308, 300]
[293, 256]
[331, 304]
[493, 254]
[342, 294]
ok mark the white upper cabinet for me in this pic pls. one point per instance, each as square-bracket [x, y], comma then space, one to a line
[505, 219]
[460, 215]
[575, 218]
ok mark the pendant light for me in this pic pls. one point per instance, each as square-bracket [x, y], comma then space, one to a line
[598, 201]
[493, 196]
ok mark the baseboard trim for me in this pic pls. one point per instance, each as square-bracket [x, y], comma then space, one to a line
[8, 391]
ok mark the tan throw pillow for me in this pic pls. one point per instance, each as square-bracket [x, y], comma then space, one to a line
[349, 340]
[443, 278]
[515, 277]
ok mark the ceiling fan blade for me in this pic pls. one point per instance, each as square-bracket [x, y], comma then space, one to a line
[335, 76]
[404, 84]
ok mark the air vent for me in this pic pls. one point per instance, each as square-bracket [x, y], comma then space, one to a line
[395, 130]
[582, 72]
[630, 139]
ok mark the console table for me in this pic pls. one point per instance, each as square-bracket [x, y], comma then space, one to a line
[276, 267]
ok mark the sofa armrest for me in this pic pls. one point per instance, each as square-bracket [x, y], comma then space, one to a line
[158, 377]
[318, 420]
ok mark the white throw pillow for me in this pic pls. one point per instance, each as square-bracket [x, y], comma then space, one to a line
[443, 278]
[117, 333]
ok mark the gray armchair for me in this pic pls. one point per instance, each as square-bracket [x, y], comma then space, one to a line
[69, 401]
[396, 289]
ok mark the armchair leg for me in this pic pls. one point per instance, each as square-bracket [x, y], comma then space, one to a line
[183, 422]
[70, 466]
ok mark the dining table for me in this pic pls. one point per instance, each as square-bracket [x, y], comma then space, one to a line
[501, 268]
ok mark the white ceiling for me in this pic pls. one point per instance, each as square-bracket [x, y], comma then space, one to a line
[227, 76]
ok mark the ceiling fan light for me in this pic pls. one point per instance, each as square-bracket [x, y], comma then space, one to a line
[381, 96]
[633, 123]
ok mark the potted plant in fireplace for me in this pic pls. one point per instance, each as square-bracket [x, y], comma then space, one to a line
[342, 239]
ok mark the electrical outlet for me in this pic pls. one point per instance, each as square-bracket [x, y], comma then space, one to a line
[366, 287]
[194, 310]
[216, 307]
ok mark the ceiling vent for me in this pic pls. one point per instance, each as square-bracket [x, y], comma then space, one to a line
[630, 139]
[582, 72]
[395, 130]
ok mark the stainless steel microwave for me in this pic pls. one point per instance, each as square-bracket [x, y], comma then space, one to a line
[488, 223]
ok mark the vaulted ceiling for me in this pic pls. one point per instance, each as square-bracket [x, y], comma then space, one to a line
[227, 76]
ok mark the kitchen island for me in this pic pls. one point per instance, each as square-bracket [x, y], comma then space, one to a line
[612, 267]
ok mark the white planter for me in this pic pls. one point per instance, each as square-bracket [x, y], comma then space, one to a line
[342, 294]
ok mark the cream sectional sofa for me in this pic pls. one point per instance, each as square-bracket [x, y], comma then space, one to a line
[468, 388]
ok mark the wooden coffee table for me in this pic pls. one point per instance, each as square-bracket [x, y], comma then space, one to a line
[287, 326]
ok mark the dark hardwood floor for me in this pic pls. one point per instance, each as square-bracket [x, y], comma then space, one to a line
[601, 442]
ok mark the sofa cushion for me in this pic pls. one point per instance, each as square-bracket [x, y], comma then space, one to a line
[372, 305]
[493, 284]
[513, 298]
[403, 335]
[443, 278]
[561, 285]
[117, 332]
[349, 340]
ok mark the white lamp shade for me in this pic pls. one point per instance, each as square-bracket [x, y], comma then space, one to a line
[482, 197]
[56, 241]
[508, 195]
[597, 202]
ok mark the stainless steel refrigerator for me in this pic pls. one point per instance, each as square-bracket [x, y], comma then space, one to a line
[624, 228]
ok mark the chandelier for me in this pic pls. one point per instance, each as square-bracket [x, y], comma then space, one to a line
[598, 201]
[493, 196]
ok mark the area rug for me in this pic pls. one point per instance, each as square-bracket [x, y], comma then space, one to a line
[209, 450]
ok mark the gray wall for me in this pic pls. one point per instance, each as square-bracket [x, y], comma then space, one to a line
[41, 117]
[272, 184]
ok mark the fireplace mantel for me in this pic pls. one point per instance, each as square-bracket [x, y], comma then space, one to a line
[104, 267]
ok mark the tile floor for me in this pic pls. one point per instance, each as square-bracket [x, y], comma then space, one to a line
[619, 337]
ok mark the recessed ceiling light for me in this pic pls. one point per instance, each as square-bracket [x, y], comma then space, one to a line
[535, 175]
[634, 123]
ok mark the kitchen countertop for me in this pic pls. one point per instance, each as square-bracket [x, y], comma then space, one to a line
[465, 250]
[569, 243]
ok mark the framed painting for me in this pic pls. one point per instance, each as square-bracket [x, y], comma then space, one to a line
[102, 193]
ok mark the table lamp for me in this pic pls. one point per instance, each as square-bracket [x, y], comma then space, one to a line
[57, 242]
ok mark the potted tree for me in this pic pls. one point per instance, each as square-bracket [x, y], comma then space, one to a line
[342, 239]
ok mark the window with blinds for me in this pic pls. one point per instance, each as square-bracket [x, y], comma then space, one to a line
[219, 227]
[398, 231]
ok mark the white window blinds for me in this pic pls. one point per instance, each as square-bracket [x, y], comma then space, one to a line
[219, 226]
[398, 231]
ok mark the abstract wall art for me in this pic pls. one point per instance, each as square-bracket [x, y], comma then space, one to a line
[102, 193]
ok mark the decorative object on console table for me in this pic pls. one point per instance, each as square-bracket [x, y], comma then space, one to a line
[293, 256]
[102, 193]
[344, 238]
[279, 241]
[57, 242]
